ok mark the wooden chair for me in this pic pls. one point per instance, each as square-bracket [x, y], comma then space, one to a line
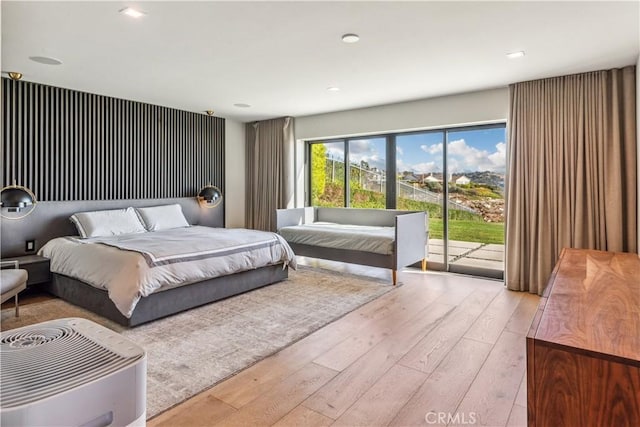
[12, 282]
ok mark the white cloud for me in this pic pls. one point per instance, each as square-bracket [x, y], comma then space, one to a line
[364, 150]
[464, 158]
[374, 161]
[432, 149]
[334, 152]
[361, 146]
[425, 167]
[453, 165]
[461, 158]
[499, 158]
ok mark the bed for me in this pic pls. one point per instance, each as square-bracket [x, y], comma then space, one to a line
[384, 238]
[169, 281]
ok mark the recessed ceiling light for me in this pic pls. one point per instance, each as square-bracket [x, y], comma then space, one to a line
[46, 60]
[210, 112]
[333, 89]
[350, 38]
[514, 55]
[242, 105]
[129, 11]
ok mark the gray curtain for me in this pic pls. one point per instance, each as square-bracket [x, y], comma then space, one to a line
[571, 171]
[270, 151]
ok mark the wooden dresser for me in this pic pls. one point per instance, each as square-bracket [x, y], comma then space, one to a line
[583, 348]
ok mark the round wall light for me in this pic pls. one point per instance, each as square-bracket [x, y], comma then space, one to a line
[16, 202]
[210, 196]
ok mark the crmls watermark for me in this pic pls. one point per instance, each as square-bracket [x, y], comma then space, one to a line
[460, 418]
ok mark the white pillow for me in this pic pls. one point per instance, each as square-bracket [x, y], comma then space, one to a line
[107, 223]
[162, 217]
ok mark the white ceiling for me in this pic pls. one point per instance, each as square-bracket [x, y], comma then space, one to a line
[281, 56]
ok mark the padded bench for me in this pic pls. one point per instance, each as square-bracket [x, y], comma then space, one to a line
[377, 237]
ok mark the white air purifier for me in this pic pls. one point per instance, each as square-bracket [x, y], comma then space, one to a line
[71, 372]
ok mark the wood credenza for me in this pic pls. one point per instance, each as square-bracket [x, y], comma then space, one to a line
[583, 348]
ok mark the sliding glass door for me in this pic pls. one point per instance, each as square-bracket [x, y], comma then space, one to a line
[419, 185]
[476, 163]
[456, 175]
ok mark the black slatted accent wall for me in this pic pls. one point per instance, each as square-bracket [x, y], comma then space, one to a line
[69, 145]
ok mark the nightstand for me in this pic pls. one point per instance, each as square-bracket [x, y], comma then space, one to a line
[37, 266]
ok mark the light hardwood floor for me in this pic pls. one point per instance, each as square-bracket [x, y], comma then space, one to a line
[439, 344]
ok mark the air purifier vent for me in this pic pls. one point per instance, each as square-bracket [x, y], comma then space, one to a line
[42, 361]
[34, 338]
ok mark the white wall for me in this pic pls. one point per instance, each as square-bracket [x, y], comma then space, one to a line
[468, 108]
[464, 109]
[234, 173]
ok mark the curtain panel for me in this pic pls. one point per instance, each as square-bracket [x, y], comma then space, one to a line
[571, 171]
[269, 184]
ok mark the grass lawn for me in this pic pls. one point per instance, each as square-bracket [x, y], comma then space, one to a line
[469, 231]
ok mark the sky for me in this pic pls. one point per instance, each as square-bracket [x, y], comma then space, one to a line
[468, 151]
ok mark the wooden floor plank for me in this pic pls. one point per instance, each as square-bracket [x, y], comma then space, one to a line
[274, 405]
[521, 397]
[488, 327]
[340, 393]
[203, 409]
[518, 417]
[493, 392]
[523, 314]
[445, 388]
[379, 405]
[267, 373]
[430, 351]
[374, 331]
[304, 417]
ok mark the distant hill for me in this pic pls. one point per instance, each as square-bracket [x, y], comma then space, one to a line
[489, 178]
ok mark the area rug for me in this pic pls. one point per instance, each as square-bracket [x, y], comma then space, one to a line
[192, 351]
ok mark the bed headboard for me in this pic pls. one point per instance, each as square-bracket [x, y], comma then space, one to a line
[51, 219]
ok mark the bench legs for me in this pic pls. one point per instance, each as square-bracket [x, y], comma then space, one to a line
[394, 273]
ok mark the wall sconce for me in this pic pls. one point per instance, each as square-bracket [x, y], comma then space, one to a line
[16, 202]
[210, 196]
[14, 75]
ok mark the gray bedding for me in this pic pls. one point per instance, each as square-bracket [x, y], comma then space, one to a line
[363, 238]
[136, 265]
[197, 243]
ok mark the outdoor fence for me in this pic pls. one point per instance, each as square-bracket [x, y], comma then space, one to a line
[375, 180]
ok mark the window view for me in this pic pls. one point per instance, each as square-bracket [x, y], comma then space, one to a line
[367, 171]
[327, 174]
[419, 182]
[460, 184]
[476, 162]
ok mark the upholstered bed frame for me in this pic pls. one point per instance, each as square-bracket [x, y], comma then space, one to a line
[164, 303]
[51, 219]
